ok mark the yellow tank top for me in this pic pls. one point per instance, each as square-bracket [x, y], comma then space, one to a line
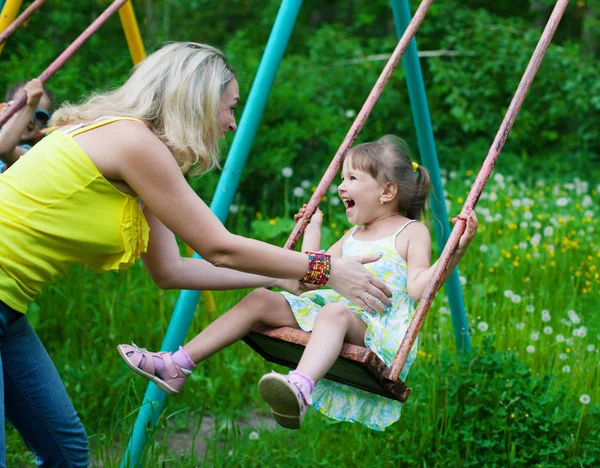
[58, 210]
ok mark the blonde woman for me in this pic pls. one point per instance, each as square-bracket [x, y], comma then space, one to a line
[107, 187]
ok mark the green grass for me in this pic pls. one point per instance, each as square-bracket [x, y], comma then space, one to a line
[514, 401]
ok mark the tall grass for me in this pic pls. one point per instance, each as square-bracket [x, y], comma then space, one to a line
[520, 398]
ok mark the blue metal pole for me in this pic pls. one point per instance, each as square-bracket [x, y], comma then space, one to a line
[226, 188]
[422, 119]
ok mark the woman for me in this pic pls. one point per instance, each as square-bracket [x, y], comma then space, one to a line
[73, 199]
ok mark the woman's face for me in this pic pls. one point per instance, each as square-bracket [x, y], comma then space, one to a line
[230, 97]
[33, 128]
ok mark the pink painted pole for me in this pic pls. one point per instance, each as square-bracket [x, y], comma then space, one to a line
[62, 58]
[20, 19]
[476, 189]
[360, 120]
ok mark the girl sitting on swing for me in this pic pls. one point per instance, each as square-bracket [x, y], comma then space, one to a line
[384, 194]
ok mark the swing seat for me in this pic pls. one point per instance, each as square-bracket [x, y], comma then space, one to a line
[356, 366]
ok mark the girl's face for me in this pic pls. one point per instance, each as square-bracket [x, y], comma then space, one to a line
[360, 193]
[33, 127]
[230, 97]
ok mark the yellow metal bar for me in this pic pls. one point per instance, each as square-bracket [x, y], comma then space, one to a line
[132, 33]
[8, 15]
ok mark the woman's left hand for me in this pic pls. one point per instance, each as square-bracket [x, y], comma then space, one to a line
[470, 230]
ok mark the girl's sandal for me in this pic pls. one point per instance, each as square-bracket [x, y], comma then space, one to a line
[285, 399]
[141, 361]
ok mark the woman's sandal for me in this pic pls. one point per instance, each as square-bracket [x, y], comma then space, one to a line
[141, 361]
[285, 399]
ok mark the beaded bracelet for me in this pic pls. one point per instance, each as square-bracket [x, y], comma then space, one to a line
[319, 267]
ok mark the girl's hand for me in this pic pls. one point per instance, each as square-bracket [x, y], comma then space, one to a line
[470, 230]
[315, 221]
[349, 278]
[35, 91]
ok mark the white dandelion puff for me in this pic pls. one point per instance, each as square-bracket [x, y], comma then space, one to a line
[234, 209]
[520, 326]
[516, 298]
[585, 399]
[482, 326]
[298, 192]
[563, 356]
[529, 308]
[573, 316]
[287, 172]
[566, 369]
[535, 336]
[253, 435]
[590, 347]
[530, 349]
[548, 330]
[560, 338]
[305, 183]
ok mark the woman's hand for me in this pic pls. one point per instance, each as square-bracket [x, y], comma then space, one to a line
[470, 230]
[289, 285]
[352, 280]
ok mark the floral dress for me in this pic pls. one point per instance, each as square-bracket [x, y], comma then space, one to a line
[384, 333]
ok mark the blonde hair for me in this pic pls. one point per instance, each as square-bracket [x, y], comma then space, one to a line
[176, 91]
[388, 161]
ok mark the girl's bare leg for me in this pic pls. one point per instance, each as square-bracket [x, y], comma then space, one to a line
[335, 324]
[260, 306]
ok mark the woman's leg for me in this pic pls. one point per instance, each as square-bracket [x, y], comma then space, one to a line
[36, 402]
[334, 325]
[261, 306]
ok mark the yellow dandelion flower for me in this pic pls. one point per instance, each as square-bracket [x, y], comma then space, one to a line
[272, 222]
[469, 172]
[332, 225]
[259, 215]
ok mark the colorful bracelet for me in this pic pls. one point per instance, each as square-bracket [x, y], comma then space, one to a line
[319, 267]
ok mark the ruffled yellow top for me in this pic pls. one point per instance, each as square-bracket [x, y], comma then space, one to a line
[58, 210]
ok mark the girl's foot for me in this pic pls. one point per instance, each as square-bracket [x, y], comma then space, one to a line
[287, 398]
[160, 368]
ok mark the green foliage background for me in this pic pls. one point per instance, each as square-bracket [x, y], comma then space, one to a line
[329, 69]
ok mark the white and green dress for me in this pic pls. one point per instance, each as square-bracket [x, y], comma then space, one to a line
[384, 333]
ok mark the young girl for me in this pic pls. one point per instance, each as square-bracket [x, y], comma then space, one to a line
[24, 129]
[384, 194]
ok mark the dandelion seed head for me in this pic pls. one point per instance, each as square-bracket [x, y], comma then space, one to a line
[534, 336]
[585, 399]
[573, 316]
[298, 192]
[529, 308]
[548, 330]
[560, 338]
[305, 183]
[234, 209]
[590, 347]
[566, 369]
[563, 356]
[520, 326]
[482, 326]
[253, 435]
[287, 172]
[530, 349]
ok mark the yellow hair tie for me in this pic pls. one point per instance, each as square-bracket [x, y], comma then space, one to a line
[415, 166]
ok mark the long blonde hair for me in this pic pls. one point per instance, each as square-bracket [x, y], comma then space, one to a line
[176, 91]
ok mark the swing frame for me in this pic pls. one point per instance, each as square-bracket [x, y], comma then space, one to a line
[285, 345]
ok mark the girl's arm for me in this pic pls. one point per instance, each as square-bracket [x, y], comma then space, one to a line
[170, 270]
[311, 239]
[14, 128]
[419, 256]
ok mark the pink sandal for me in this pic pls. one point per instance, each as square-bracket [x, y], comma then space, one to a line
[286, 399]
[141, 361]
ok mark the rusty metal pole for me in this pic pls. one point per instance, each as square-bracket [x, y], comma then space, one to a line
[20, 20]
[62, 58]
[360, 120]
[476, 189]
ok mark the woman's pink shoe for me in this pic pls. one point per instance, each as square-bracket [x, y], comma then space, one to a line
[142, 361]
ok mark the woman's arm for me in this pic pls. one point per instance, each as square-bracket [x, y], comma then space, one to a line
[170, 270]
[419, 256]
[130, 152]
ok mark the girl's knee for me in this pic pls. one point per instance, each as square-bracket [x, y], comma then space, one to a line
[334, 313]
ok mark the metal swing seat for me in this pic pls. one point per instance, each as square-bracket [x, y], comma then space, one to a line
[357, 366]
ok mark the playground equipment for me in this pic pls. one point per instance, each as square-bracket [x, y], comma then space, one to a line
[365, 372]
[62, 58]
[360, 367]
